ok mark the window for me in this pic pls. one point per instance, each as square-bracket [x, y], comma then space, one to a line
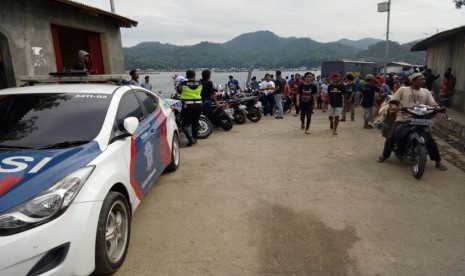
[150, 102]
[38, 120]
[128, 107]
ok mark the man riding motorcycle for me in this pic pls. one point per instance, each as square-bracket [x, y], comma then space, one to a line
[406, 96]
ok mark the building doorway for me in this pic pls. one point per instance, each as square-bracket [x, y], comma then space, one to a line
[68, 41]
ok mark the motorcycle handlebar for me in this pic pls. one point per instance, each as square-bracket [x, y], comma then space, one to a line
[435, 108]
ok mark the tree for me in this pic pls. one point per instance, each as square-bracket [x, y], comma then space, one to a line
[459, 3]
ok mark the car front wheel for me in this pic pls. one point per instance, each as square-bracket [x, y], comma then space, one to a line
[175, 155]
[113, 232]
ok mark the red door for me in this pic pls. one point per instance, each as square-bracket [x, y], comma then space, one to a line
[56, 47]
[96, 52]
[68, 41]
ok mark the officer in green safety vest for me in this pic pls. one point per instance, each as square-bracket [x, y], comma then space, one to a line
[190, 91]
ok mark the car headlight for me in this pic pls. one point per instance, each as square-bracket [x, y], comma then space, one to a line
[45, 206]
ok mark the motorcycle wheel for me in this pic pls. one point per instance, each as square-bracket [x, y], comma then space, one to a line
[226, 123]
[254, 115]
[418, 160]
[239, 118]
[206, 128]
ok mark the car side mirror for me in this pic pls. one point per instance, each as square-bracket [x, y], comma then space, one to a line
[130, 124]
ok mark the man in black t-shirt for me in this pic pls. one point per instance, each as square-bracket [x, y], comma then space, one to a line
[369, 91]
[306, 100]
[208, 93]
[336, 92]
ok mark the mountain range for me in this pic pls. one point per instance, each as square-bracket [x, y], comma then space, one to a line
[363, 43]
[264, 49]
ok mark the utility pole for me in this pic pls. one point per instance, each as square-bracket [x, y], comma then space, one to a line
[112, 4]
[386, 7]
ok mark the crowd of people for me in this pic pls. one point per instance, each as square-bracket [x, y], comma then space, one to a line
[336, 95]
[339, 96]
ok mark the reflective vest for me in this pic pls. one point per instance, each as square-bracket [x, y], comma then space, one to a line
[191, 90]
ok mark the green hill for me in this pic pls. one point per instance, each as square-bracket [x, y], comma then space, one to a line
[363, 43]
[260, 49]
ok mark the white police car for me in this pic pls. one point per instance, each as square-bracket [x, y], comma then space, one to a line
[75, 162]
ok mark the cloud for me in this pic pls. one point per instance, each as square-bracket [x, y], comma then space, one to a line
[183, 22]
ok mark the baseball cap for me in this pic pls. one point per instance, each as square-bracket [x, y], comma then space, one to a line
[179, 79]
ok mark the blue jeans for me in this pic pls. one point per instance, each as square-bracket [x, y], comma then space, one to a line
[279, 104]
[207, 106]
[351, 110]
[368, 116]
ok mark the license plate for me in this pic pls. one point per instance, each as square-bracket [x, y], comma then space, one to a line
[242, 106]
[229, 112]
[422, 122]
[258, 104]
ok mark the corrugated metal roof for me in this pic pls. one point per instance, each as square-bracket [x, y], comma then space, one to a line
[422, 45]
[123, 21]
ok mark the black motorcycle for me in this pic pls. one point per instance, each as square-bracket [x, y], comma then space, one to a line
[240, 112]
[253, 107]
[411, 136]
[206, 127]
[222, 115]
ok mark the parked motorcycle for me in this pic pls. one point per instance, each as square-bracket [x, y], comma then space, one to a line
[411, 137]
[222, 115]
[253, 106]
[240, 112]
[206, 127]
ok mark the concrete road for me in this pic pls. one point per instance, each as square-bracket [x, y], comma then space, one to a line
[267, 199]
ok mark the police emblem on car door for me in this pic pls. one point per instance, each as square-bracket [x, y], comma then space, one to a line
[149, 157]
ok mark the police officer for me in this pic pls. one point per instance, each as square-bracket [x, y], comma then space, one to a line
[190, 91]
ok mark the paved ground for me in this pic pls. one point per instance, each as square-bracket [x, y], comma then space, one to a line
[266, 199]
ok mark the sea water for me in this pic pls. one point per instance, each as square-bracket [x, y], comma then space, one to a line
[162, 82]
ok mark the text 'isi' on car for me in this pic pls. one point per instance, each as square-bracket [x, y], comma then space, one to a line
[75, 162]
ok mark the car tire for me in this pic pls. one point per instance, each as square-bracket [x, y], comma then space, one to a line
[110, 250]
[175, 155]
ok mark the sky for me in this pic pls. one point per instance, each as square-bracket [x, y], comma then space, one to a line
[184, 22]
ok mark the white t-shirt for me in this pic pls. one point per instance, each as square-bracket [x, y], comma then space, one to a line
[324, 88]
[146, 85]
[268, 86]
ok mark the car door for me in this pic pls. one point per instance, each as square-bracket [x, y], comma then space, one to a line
[157, 120]
[142, 163]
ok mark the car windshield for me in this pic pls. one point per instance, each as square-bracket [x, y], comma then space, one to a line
[50, 120]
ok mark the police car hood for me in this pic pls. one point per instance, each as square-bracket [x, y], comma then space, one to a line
[24, 174]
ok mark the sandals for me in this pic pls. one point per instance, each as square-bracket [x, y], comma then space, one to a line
[380, 159]
[441, 167]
